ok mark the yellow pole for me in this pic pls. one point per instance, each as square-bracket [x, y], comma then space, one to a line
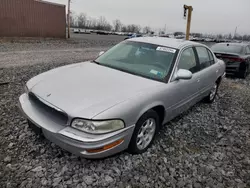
[190, 9]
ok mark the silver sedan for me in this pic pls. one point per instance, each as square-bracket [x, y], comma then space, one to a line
[121, 99]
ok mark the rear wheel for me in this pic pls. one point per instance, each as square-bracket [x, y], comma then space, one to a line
[211, 97]
[243, 73]
[144, 132]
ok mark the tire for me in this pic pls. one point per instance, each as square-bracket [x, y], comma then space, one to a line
[141, 127]
[212, 95]
[243, 73]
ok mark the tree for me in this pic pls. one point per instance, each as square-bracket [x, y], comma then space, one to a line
[178, 33]
[146, 29]
[117, 25]
[81, 20]
[73, 19]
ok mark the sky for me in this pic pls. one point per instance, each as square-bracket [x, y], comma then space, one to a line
[209, 16]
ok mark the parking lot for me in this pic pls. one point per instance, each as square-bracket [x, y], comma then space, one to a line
[208, 146]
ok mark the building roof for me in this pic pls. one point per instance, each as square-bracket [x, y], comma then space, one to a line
[163, 41]
[47, 2]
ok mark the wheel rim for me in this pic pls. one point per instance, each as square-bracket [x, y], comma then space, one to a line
[146, 134]
[213, 92]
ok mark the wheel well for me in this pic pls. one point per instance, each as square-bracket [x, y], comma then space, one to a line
[160, 110]
[218, 81]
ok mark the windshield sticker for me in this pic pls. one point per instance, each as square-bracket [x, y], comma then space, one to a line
[165, 49]
[155, 72]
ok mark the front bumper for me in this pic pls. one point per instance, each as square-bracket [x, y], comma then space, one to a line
[72, 140]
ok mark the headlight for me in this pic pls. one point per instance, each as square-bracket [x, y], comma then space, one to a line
[97, 127]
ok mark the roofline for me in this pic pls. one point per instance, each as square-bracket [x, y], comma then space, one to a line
[47, 2]
[234, 43]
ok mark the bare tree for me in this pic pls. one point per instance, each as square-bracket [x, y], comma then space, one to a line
[146, 29]
[81, 20]
[73, 19]
[117, 25]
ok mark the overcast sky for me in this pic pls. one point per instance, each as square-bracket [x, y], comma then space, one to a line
[209, 16]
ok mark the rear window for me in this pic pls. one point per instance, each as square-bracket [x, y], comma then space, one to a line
[228, 48]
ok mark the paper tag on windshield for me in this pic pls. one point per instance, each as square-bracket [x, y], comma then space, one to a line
[165, 49]
[156, 72]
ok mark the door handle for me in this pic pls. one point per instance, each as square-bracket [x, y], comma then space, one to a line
[198, 80]
[217, 71]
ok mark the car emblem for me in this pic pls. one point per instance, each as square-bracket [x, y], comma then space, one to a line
[48, 95]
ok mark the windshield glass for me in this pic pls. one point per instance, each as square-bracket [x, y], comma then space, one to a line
[228, 48]
[147, 60]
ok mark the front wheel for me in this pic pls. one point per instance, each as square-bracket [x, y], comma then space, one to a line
[211, 97]
[144, 132]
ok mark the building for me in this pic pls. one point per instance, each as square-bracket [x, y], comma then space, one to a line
[32, 18]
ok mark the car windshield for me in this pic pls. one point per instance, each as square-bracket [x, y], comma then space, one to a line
[228, 48]
[143, 59]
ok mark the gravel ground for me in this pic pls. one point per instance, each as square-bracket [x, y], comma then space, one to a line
[81, 47]
[208, 146]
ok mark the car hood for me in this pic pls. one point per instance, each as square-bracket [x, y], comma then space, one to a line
[87, 89]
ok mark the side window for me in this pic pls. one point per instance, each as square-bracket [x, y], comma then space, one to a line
[248, 50]
[203, 57]
[188, 61]
[211, 57]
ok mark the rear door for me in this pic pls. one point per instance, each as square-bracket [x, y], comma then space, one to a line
[208, 68]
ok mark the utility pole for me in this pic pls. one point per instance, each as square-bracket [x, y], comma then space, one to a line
[69, 1]
[190, 10]
[235, 32]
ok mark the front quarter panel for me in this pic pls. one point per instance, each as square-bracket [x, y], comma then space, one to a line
[132, 109]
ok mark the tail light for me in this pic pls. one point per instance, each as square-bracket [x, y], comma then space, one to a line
[237, 59]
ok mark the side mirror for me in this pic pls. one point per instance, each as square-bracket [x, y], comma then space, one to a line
[102, 52]
[183, 74]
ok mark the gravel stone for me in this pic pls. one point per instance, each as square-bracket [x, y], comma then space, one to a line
[7, 159]
[56, 181]
[88, 180]
[207, 146]
[109, 179]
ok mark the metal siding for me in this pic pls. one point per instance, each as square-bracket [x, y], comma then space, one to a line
[31, 18]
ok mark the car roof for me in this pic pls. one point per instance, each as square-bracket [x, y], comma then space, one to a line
[233, 44]
[163, 41]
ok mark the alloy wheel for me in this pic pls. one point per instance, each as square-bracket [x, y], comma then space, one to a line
[146, 134]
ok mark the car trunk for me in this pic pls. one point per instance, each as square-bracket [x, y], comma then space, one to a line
[233, 61]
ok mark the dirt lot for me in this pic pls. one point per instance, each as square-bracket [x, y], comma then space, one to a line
[208, 146]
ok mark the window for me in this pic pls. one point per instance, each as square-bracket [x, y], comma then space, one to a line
[211, 57]
[138, 58]
[205, 60]
[188, 61]
[248, 50]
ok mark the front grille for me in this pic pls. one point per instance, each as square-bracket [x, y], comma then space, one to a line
[51, 113]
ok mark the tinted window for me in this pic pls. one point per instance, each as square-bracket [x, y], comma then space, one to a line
[203, 56]
[188, 61]
[248, 50]
[228, 48]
